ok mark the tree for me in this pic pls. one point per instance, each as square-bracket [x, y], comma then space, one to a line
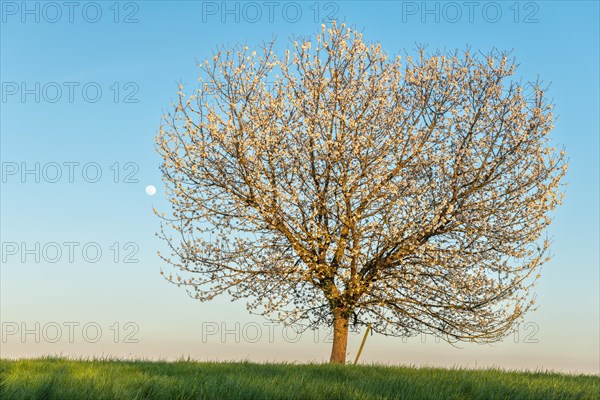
[335, 185]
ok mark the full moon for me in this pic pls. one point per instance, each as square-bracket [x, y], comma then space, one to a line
[150, 190]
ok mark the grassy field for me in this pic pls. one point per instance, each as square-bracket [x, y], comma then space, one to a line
[56, 378]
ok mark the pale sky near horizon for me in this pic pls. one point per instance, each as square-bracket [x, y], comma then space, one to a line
[84, 87]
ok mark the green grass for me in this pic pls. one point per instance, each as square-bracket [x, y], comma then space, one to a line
[59, 378]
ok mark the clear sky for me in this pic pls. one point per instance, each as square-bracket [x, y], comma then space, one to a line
[84, 86]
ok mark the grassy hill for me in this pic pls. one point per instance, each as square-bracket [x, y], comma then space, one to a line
[56, 378]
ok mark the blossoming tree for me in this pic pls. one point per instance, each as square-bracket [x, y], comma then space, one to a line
[335, 185]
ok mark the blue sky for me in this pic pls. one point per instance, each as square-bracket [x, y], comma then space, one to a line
[137, 62]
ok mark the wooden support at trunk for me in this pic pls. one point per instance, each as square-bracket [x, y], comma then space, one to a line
[360, 349]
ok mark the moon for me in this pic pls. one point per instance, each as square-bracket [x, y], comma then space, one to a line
[150, 190]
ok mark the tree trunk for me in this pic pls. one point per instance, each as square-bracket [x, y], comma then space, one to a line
[340, 338]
